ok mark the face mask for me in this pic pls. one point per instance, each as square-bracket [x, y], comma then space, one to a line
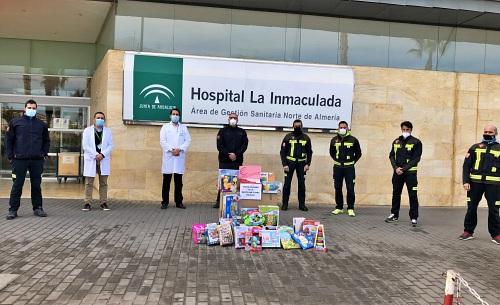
[487, 137]
[30, 112]
[297, 130]
[175, 118]
[342, 131]
[99, 122]
[406, 134]
[232, 122]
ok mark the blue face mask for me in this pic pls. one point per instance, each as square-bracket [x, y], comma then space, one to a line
[99, 122]
[30, 112]
[175, 118]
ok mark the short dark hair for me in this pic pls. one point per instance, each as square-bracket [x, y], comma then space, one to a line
[234, 114]
[343, 122]
[297, 121]
[98, 112]
[172, 110]
[30, 102]
[407, 124]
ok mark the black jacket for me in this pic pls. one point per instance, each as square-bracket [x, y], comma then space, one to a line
[231, 140]
[406, 153]
[345, 151]
[296, 149]
[482, 164]
[27, 138]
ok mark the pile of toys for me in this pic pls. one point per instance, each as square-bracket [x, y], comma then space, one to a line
[246, 224]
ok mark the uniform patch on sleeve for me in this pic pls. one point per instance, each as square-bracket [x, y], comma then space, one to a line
[283, 144]
[8, 128]
[218, 137]
[467, 155]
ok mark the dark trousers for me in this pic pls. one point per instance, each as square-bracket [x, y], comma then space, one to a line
[492, 194]
[301, 179]
[398, 182]
[232, 165]
[19, 169]
[339, 174]
[165, 189]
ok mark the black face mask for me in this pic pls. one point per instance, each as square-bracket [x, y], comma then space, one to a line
[297, 130]
[487, 137]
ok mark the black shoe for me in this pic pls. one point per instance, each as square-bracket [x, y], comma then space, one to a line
[11, 215]
[180, 206]
[216, 206]
[104, 207]
[39, 212]
[164, 206]
[86, 207]
[284, 207]
[303, 208]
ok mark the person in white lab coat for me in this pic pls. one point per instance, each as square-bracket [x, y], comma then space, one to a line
[97, 145]
[174, 141]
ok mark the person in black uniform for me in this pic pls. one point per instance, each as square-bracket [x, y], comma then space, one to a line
[481, 175]
[405, 154]
[296, 154]
[27, 145]
[345, 152]
[232, 142]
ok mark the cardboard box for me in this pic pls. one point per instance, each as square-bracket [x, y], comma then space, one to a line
[266, 199]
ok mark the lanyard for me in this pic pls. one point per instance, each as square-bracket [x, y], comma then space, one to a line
[97, 134]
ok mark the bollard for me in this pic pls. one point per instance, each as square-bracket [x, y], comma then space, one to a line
[449, 289]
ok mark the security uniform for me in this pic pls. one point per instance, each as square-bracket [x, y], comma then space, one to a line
[296, 152]
[345, 152]
[27, 143]
[405, 153]
[481, 170]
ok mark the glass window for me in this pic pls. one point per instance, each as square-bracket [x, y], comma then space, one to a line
[158, 35]
[446, 49]
[413, 46]
[492, 57]
[44, 85]
[128, 32]
[470, 53]
[258, 35]
[202, 31]
[14, 55]
[106, 40]
[319, 40]
[292, 38]
[364, 43]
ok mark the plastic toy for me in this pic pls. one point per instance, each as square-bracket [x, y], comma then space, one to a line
[319, 241]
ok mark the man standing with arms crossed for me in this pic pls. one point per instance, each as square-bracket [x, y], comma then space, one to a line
[232, 142]
[27, 145]
[345, 152]
[296, 154]
[481, 175]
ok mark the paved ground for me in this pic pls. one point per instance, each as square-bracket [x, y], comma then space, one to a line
[139, 254]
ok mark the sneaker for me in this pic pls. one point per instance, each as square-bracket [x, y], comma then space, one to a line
[86, 207]
[164, 206]
[414, 223]
[496, 239]
[39, 212]
[351, 213]
[337, 211]
[303, 208]
[466, 236]
[392, 218]
[104, 207]
[11, 215]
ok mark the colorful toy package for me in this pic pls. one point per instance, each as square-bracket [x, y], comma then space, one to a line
[304, 241]
[253, 240]
[270, 216]
[213, 234]
[286, 239]
[251, 217]
[274, 187]
[230, 206]
[239, 236]
[225, 234]
[310, 227]
[319, 241]
[199, 233]
[270, 239]
[228, 181]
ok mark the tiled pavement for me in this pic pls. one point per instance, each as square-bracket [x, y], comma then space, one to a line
[139, 254]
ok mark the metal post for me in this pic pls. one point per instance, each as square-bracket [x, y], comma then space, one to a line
[449, 290]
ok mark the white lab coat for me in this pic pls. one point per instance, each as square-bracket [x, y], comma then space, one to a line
[172, 136]
[89, 151]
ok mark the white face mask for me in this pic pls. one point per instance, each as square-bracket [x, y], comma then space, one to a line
[406, 134]
[342, 131]
[232, 122]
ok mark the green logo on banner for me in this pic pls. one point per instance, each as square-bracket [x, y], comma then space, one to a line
[157, 87]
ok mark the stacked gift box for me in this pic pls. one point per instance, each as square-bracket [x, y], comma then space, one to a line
[249, 216]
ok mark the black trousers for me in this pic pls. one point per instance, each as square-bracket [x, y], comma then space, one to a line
[165, 189]
[398, 182]
[339, 174]
[232, 165]
[301, 179]
[492, 194]
[19, 169]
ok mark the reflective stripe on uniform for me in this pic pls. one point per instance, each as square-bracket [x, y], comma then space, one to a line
[292, 146]
[290, 158]
[409, 146]
[415, 188]
[468, 199]
[14, 176]
[478, 151]
[412, 169]
[475, 177]
[496, 153]
[491, 178]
